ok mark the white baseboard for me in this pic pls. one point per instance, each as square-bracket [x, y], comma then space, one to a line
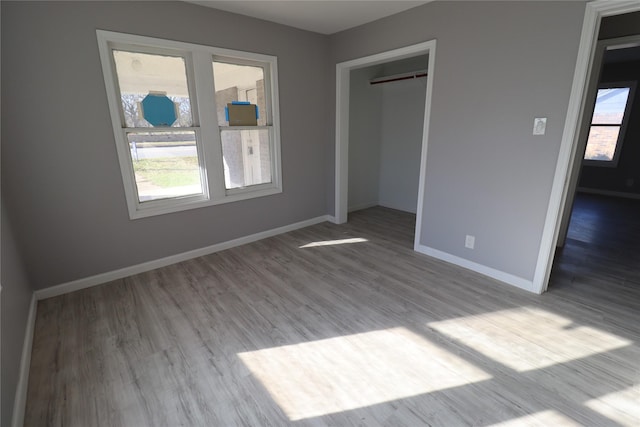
[332, 219]
[173, 259]
[20, 400]
[397, 208]
[361, 206]
[507, 278]
[609, 193]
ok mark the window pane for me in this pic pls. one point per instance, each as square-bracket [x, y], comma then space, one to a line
[243, 83]
[610, 106]
[601, 144]
[165, 164]
[247, 157]
[142, 75]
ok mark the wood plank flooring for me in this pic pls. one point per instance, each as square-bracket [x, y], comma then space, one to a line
[342, 326]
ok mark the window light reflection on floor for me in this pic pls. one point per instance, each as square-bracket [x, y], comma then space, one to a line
[544, 418]
[528, 338]
[343, 373]
[333, 242]
[623, 407]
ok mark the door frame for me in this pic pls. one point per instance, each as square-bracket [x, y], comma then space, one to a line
[585, 67]
[343, 76]
[592, 89]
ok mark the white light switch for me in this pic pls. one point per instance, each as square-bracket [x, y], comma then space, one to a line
[539, 125]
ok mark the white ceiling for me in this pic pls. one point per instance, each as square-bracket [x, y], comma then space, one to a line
[320, 16]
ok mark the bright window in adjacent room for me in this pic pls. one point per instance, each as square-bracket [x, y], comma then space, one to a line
[194, 125]
[606, 133]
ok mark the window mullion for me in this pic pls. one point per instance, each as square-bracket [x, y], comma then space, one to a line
[208, 120]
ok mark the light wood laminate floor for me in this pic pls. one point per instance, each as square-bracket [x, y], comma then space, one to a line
[341, 325]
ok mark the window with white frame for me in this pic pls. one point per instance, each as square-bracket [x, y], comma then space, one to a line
[608, 123]
[194, 125]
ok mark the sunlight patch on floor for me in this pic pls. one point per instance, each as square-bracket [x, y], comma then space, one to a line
[544, 418]
[528, 338]
[339, 374]
[623, 407]
[334, 242]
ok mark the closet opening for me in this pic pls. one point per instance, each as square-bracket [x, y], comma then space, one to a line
[382, 121]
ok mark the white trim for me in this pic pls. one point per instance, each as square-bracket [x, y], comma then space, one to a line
[248, 193]
[332, 219]
[425, 144]
[109, 276]
[609, 193]
[343, 70]
[342, 143]
[361, 206]
[20, 400]
[594, 12]
[507, 278]
[396, 207]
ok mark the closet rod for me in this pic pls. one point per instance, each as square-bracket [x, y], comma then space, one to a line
[398, 77]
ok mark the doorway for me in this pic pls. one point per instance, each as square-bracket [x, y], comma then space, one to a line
[343, 85]
[561, 194]
[386, 113]
[597, 244]
[605, 161]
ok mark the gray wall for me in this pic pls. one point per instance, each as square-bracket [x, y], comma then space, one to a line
[402, 121]
[385, 136]
[365, 116]
[498, 65]
[59, 160]
[16, 298]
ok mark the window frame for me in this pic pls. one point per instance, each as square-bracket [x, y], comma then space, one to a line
[631, 85]
[200, 82]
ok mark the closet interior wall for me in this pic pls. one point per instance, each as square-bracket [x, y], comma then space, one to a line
[385, 136]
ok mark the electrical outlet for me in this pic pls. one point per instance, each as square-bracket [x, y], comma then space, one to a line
[469, 241]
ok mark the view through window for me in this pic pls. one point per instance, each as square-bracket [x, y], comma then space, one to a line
[194, 125]
[606, 131]
[165, 163]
